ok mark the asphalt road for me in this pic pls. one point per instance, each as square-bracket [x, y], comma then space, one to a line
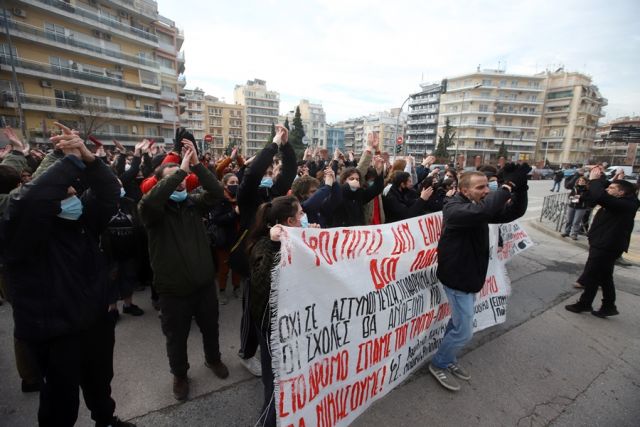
[541, 279]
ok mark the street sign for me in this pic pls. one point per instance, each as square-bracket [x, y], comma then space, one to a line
[399, 140]
[306, 140]
[208, 138]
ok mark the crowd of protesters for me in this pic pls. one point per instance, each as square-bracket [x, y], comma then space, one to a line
[83, 228]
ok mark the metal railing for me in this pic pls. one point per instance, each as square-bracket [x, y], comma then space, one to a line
[554, 210]
[72, 73]
[103, 19]
[70, 41]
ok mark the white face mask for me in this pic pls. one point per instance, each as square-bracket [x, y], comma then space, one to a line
[127, 166]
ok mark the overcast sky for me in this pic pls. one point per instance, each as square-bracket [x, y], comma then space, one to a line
[361, 56]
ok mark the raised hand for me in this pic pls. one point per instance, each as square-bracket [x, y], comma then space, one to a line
[189, 150]
[276, 232]
[15, 142]
[329, 177]
[282, 135]
[426, 193]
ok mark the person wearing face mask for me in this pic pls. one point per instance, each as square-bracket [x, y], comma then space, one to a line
[402, 201]
[224, 223]
[318, 201]
[58, 281]
[576, 209]
[350, 211]
[256, 187]
[263, 243]
[183, 269]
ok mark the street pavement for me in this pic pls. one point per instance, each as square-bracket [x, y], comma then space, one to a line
[543, 366]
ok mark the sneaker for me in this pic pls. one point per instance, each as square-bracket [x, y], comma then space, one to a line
[459, 371]
[180, 387]
[577, 308]
[578, 286]
[219, 369]
[253, 365]
[605, 312]
[563, 235]
[223, 298]
[28, 387]
[237, 293]
[115, 422]
[574, 237]
[447, 381]
[133, 310]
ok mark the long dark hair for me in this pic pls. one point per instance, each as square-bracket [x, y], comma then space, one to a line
[269, 214]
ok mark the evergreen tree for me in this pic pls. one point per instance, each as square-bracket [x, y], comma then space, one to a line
[286, 123]
[296, 134]
[273, 134]
[502, 151]
[444, 142]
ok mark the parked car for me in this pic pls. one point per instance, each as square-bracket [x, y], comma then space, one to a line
[569, 172]
[540, 173]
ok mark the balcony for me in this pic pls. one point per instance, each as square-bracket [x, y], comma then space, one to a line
[29, 32]
[106, 22]
[422, 122]
[128, 139]
[54, 72]
[145, 8]
[65, 106]
[421, 132]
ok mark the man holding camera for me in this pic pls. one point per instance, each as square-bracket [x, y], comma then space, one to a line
[463, 257]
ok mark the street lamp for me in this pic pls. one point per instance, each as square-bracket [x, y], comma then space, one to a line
[455, 158]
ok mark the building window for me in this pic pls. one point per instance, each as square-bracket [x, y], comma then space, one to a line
[487, 82]
[483, 107]
[149, 78]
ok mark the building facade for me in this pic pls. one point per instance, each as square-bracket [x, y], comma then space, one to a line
[262, 108]
[225, 123]
[422, 121]
[335, 139]
[616, 142]
[107, 68]
[572, 108]
[193, 118]
[489, 108]
[314, 121]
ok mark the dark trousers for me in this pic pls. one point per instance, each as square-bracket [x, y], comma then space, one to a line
[268, 413]
[177, 312]
[26, 362]
[82, 360]
[598, 271]
[248, 336]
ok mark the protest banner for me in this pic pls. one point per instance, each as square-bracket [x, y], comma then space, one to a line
[356, 310]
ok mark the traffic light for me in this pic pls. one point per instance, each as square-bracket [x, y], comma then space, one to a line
[398, 149]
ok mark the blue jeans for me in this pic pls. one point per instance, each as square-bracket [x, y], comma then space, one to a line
[556, 186]
[574, 221]
[459, 329]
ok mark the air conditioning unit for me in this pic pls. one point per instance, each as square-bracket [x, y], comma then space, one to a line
[45, 83]
[118, 67]
[95, 33]
[123, 14]
[19, 12]
[107, 37]
[137, 103]
[134, 129]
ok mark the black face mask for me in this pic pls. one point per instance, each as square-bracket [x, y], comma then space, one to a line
[233, 189]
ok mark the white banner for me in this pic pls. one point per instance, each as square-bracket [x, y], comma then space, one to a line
[359, 309]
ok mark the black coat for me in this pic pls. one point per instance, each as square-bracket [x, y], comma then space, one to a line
[612, 226]
[350, 210]
[463, 249]
[226, 224]
[57, 275]
[402, 204]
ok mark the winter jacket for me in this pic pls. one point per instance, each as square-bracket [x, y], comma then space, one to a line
[350, 211]
[226, 223]
[179, 248]
[577, 197]
[320, 206]
[56, 272]
[402, 204]
[262, 259]
[612, 225]
[463, 249]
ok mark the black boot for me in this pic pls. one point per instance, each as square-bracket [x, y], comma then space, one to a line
[606, 311]
[578, 307]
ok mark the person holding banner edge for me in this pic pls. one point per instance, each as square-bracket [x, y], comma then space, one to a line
[463, 257]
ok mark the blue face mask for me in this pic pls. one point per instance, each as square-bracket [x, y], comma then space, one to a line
[122, 192]
[178, 196]
[304, 221]
[70, 208]
[266, 182]
[370, 183]
[493, 185]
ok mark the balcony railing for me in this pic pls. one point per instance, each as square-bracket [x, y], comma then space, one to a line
[103, 19]
[77, 106]
[72, 42]
[143, 7]
[72, 73]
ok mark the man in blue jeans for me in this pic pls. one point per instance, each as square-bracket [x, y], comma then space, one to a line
[463, 257]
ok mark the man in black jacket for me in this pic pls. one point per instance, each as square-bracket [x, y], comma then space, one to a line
[58, 282]
[609, 236]
[463, 256]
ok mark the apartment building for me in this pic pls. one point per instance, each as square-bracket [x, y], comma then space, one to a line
[491, 107]
[349, 128]
[422, 120]
[387, 125]
[262, 108]
[572, 108]
[193, 118]
[225, 123]
[105, 67]
[616, 142]
[335, 139]
[314, 121]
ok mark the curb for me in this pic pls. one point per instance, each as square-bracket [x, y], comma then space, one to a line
[580, 243]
